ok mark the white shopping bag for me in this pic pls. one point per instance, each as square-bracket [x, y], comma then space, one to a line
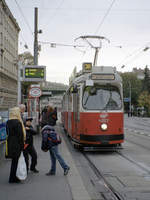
[21, 172]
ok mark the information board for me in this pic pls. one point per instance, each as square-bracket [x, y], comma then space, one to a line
[34, 73]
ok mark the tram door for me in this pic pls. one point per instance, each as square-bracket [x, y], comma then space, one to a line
[75, 113]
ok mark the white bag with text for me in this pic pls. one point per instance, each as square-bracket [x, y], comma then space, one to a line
[21, 172]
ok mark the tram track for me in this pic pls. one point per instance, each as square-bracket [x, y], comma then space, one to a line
[140, 145]
[119, 183]
[112, 194]
[139, 134]
[132, 161]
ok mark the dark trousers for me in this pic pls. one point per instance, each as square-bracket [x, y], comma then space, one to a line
[13, 169]
[30, 150]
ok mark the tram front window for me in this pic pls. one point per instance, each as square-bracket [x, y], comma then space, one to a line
[101, 97]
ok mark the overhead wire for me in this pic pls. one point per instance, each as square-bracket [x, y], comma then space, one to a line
[30, 29]
[134, 55]
[132, 59]
[24, 40]
[101, 23]
[60, 44]
[137, 52]
[106, 14]
[56, 9]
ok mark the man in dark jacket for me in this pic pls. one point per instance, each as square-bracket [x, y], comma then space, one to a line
[29, 148]
[49, 116]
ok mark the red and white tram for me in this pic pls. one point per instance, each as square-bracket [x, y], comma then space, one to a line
[92, 107]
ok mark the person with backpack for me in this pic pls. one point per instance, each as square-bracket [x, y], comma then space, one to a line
[50, 142]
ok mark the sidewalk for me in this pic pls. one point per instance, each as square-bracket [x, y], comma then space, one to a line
[42, 187]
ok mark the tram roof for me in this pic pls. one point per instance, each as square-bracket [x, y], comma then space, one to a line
[97, 70]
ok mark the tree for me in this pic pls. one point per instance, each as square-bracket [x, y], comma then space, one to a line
[144, 101]
[130, 80]
[27, 58]
[146, 81]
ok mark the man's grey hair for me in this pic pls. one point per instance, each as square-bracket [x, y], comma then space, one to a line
[22, 106]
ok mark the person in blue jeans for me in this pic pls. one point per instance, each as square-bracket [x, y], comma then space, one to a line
[51, 140]
[54, 154]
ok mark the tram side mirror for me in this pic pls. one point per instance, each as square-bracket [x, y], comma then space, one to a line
[93, 91]
[74, 89]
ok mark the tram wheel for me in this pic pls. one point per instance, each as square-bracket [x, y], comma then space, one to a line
[76, 146]
[80, 148]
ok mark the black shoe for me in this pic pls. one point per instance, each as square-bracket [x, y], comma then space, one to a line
[66, 171]
[15, 181]
[34, 170]
[50, 174]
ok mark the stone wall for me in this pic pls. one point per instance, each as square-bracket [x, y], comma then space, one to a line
[8, 92]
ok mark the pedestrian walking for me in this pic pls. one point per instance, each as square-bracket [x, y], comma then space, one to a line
[51, 141]
[29, 148]
[55, 114]
[49, 116]
[16, 137]
[43, 117]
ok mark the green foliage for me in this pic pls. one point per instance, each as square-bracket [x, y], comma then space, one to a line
[146, 81]
[130, 80]
[144, 101]
[140, 89]
[27, 58]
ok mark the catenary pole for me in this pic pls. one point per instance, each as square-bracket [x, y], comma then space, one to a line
[130, 98]
[19, 82]
[36, 36]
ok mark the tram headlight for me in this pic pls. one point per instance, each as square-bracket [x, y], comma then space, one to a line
[104, 127]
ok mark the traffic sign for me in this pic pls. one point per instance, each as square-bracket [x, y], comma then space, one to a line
[35, 92]
[127, 99]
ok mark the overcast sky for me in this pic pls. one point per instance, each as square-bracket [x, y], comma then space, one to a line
[125, 23]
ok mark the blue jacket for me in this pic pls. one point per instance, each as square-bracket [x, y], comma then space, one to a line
[49, 137]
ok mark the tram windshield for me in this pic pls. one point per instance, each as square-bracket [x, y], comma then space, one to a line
[101, 97]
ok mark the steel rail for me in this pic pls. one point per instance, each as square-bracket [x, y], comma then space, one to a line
[114, 194]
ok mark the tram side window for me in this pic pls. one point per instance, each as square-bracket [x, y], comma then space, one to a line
[101, 97]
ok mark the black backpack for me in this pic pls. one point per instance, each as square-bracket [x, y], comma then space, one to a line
[49, 138]
[44, 144]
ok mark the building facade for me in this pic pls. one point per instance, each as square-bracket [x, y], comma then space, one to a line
[9, 32]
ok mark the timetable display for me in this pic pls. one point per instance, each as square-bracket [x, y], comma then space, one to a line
[34, 73]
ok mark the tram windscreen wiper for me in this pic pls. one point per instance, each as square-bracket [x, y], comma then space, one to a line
[86, 100]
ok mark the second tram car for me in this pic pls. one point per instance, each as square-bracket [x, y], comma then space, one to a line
[92, 107]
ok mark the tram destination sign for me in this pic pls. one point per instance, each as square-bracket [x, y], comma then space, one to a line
[103, 76]
[34, 73]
